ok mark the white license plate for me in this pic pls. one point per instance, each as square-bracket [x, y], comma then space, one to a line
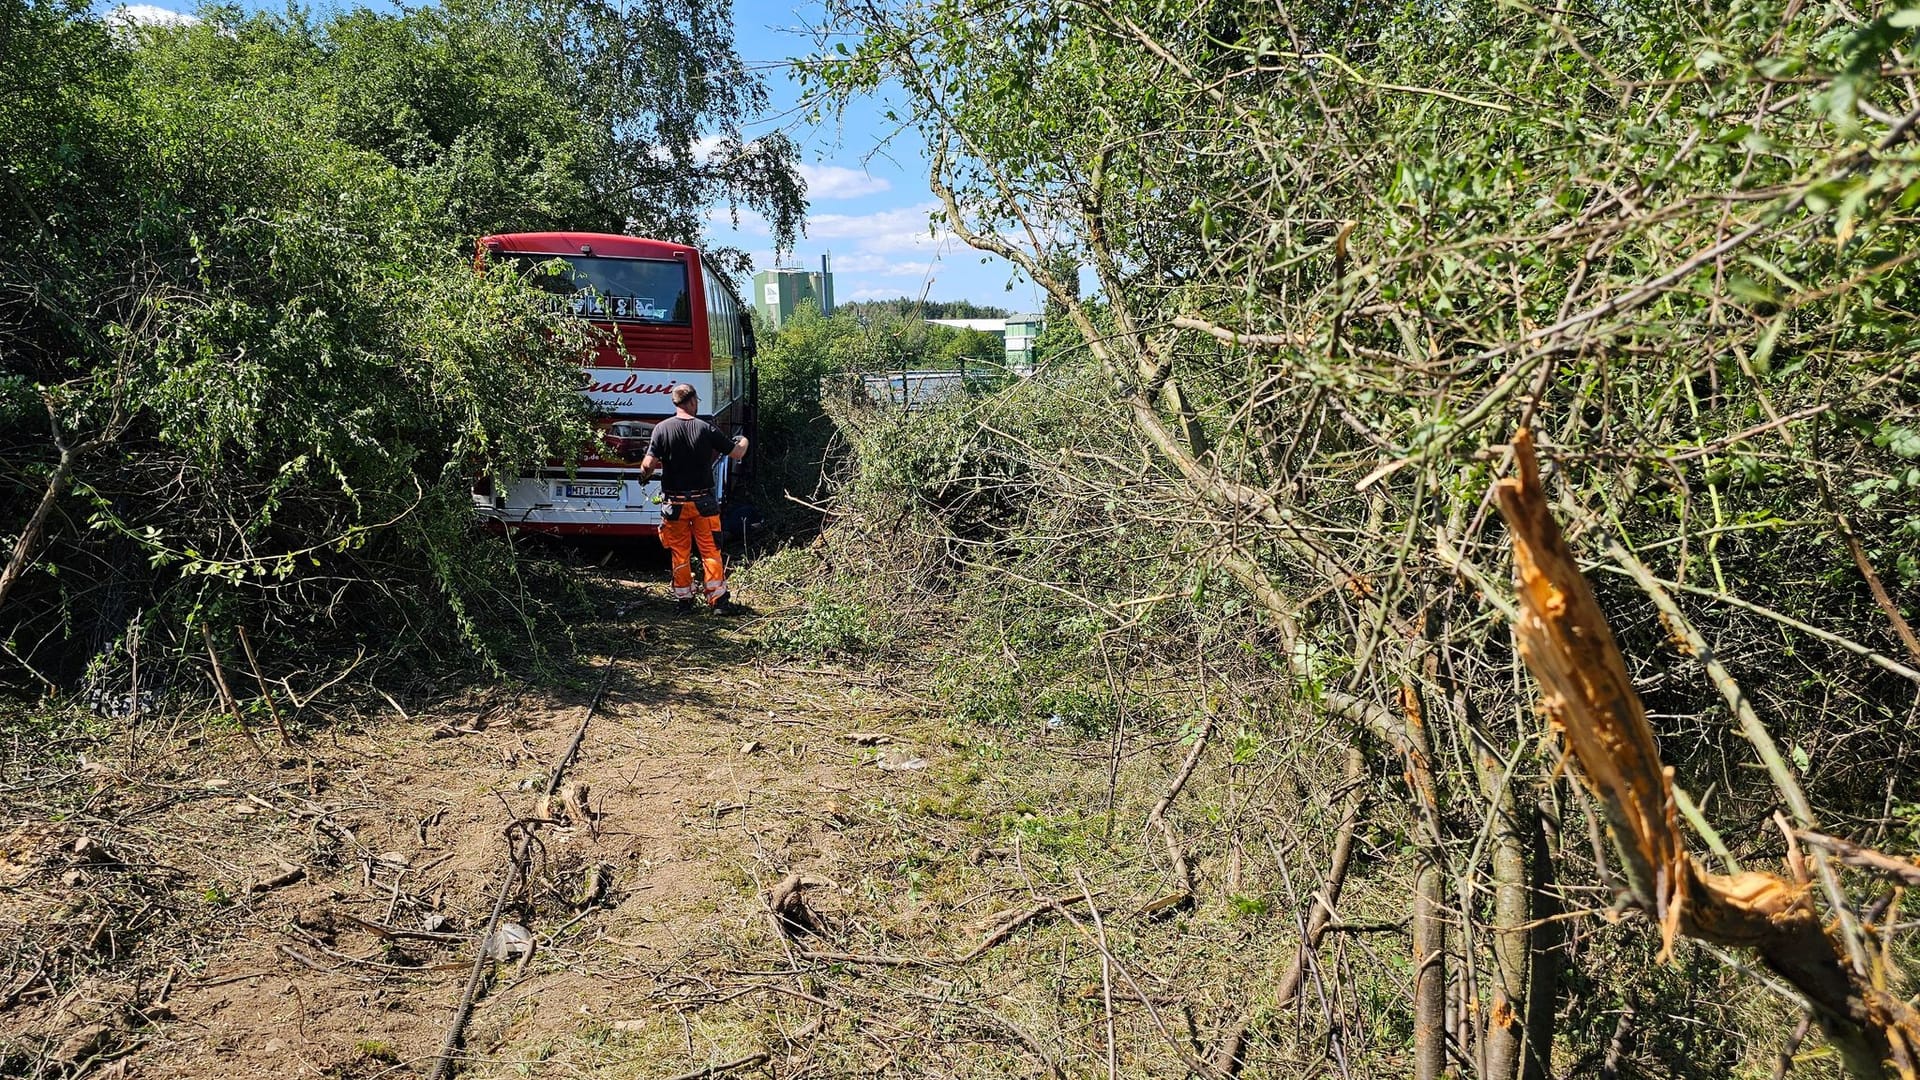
[593, 491]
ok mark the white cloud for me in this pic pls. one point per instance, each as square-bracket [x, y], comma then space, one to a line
[901, 229]
[846, 266]
[883, 255]
[148, 15]
[896, 242]
[840, 182]
[867, 262]
[884, 294]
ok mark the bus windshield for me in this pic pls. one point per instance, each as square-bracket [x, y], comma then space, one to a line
[624, 290]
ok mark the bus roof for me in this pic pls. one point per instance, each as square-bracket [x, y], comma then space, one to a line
[571, 243]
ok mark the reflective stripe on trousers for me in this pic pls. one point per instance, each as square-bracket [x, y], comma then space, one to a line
[680, 537]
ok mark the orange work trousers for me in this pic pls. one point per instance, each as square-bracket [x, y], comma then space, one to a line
[680, 535]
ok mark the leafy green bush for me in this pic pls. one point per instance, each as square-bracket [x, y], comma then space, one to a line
[251, 370]
[808, 347]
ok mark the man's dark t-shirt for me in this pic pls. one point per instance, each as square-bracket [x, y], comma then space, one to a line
[685, 448]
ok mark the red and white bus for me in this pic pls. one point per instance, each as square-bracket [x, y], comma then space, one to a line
[667, 318]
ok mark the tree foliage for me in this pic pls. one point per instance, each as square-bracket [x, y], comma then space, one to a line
[866, 310]
[808, 347]
[250, 369]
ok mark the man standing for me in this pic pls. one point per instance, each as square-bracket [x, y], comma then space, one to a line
[683, 450]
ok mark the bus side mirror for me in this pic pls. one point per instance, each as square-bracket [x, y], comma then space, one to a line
[748, 346]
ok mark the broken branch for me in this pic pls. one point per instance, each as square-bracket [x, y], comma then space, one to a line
[1585, 691]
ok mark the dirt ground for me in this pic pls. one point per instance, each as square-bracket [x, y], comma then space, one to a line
[975, 902]
[331, 898]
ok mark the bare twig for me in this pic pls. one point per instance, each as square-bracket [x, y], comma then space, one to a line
[521, 835]
[226, 695]
[758, 1057]
[1866, 858]
[279, 724]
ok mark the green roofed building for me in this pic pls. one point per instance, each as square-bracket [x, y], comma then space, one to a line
[779, 292]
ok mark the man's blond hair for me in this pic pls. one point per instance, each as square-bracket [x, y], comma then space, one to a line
[682, 393]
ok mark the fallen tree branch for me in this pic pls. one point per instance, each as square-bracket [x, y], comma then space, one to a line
[1156, 818]
[226, 695]
[758, 1057]
[522, 851]
[279, 724]
[1229, 1055]
[1005, 928]
[875, 959]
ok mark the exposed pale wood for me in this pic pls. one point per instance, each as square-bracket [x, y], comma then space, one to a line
[1584, 689]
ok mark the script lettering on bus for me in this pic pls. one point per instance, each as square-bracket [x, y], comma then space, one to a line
[629, 385]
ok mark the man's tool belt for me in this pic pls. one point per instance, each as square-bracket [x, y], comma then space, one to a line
[705, 504]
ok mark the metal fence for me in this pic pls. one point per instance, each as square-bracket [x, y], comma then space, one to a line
[913, 389]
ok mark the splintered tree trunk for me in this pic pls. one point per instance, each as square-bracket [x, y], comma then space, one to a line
[1570, 649]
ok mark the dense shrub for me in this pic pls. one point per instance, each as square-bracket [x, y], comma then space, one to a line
[250, 370]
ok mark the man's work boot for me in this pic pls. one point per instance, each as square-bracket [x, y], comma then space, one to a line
[684, 605]
[723, 604]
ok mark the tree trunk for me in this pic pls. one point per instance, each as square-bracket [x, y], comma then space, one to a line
[1429, 900]
[1512, 909]
[1544, 944]
[1430, 969]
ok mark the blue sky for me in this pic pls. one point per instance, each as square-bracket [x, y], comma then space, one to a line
[866, 180]
[867, 186]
